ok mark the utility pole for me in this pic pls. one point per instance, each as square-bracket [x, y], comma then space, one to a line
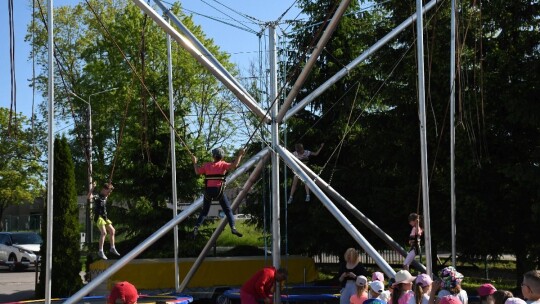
[88, 223]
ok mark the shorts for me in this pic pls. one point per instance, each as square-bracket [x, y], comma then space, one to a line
[103, 222]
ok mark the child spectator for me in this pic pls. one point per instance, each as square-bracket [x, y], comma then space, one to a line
[361, 291]
[377, 287]
[422, 288]
[500, 296]
[485, 292]
[449, 285]
[530, 287]
[402, 287]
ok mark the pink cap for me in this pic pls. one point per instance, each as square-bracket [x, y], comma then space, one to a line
[486, 290]
[423, 279]
[450, 300]
[514, 301]
[377, 276]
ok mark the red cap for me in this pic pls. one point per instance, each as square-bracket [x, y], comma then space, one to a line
[486, 289]
[450, 300]
[123, 292]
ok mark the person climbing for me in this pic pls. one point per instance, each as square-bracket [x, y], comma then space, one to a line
[303, 155]
[103, 223]
[214, 173]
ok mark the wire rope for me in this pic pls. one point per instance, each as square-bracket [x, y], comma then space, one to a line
[235, 20]
[239, 13]
[13, 106]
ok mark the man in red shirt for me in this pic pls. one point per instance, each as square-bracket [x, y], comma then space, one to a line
[261, 285]
[214, 173]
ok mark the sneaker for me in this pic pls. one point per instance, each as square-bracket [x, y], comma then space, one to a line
[308, 198]
[101, 255]
[235, 232]
[195, 232]
[113, 251]
[290, 200]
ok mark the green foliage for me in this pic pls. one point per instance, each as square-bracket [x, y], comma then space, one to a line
[20, 170]
[66, 263]
[374, 111]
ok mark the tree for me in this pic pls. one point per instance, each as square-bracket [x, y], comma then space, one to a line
[20, 170]
[66, 253]
[497, 172]
[123, 48]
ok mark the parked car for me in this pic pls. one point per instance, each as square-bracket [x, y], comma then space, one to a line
[19, 250]
[241, 216]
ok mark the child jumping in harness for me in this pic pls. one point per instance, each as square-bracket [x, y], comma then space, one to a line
[414, 239]
[214, 173]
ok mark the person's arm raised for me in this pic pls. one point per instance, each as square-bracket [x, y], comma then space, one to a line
[318, 151]
[234, 165]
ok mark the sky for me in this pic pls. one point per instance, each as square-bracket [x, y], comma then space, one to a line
[228, 33]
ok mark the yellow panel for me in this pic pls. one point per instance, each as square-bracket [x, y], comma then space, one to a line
[222, 271]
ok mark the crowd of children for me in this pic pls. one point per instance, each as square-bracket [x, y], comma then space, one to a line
[405, 288]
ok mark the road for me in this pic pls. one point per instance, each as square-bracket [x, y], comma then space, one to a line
[16, 286]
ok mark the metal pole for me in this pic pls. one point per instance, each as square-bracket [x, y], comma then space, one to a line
[423, 136]
[50, 165]
[452, 129]
[345, 71]
[174, 199]
[276, 232]
[313, 58]
[88, 222]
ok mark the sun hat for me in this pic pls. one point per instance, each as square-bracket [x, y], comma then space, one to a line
[450, 300]
[450, 277]
[486, 289]
[361, 280]
[403, 276]
[514, 301]
[125, 292]
[377, 286]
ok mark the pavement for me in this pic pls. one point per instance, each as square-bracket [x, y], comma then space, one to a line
[17, 286]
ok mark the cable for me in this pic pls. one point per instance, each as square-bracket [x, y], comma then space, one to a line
[239, 13]
[13, 106]
[237, 21]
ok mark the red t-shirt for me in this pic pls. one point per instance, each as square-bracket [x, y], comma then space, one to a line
[261, 283]
[219, 167]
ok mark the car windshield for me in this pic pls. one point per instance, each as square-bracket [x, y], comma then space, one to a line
[26, 238]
